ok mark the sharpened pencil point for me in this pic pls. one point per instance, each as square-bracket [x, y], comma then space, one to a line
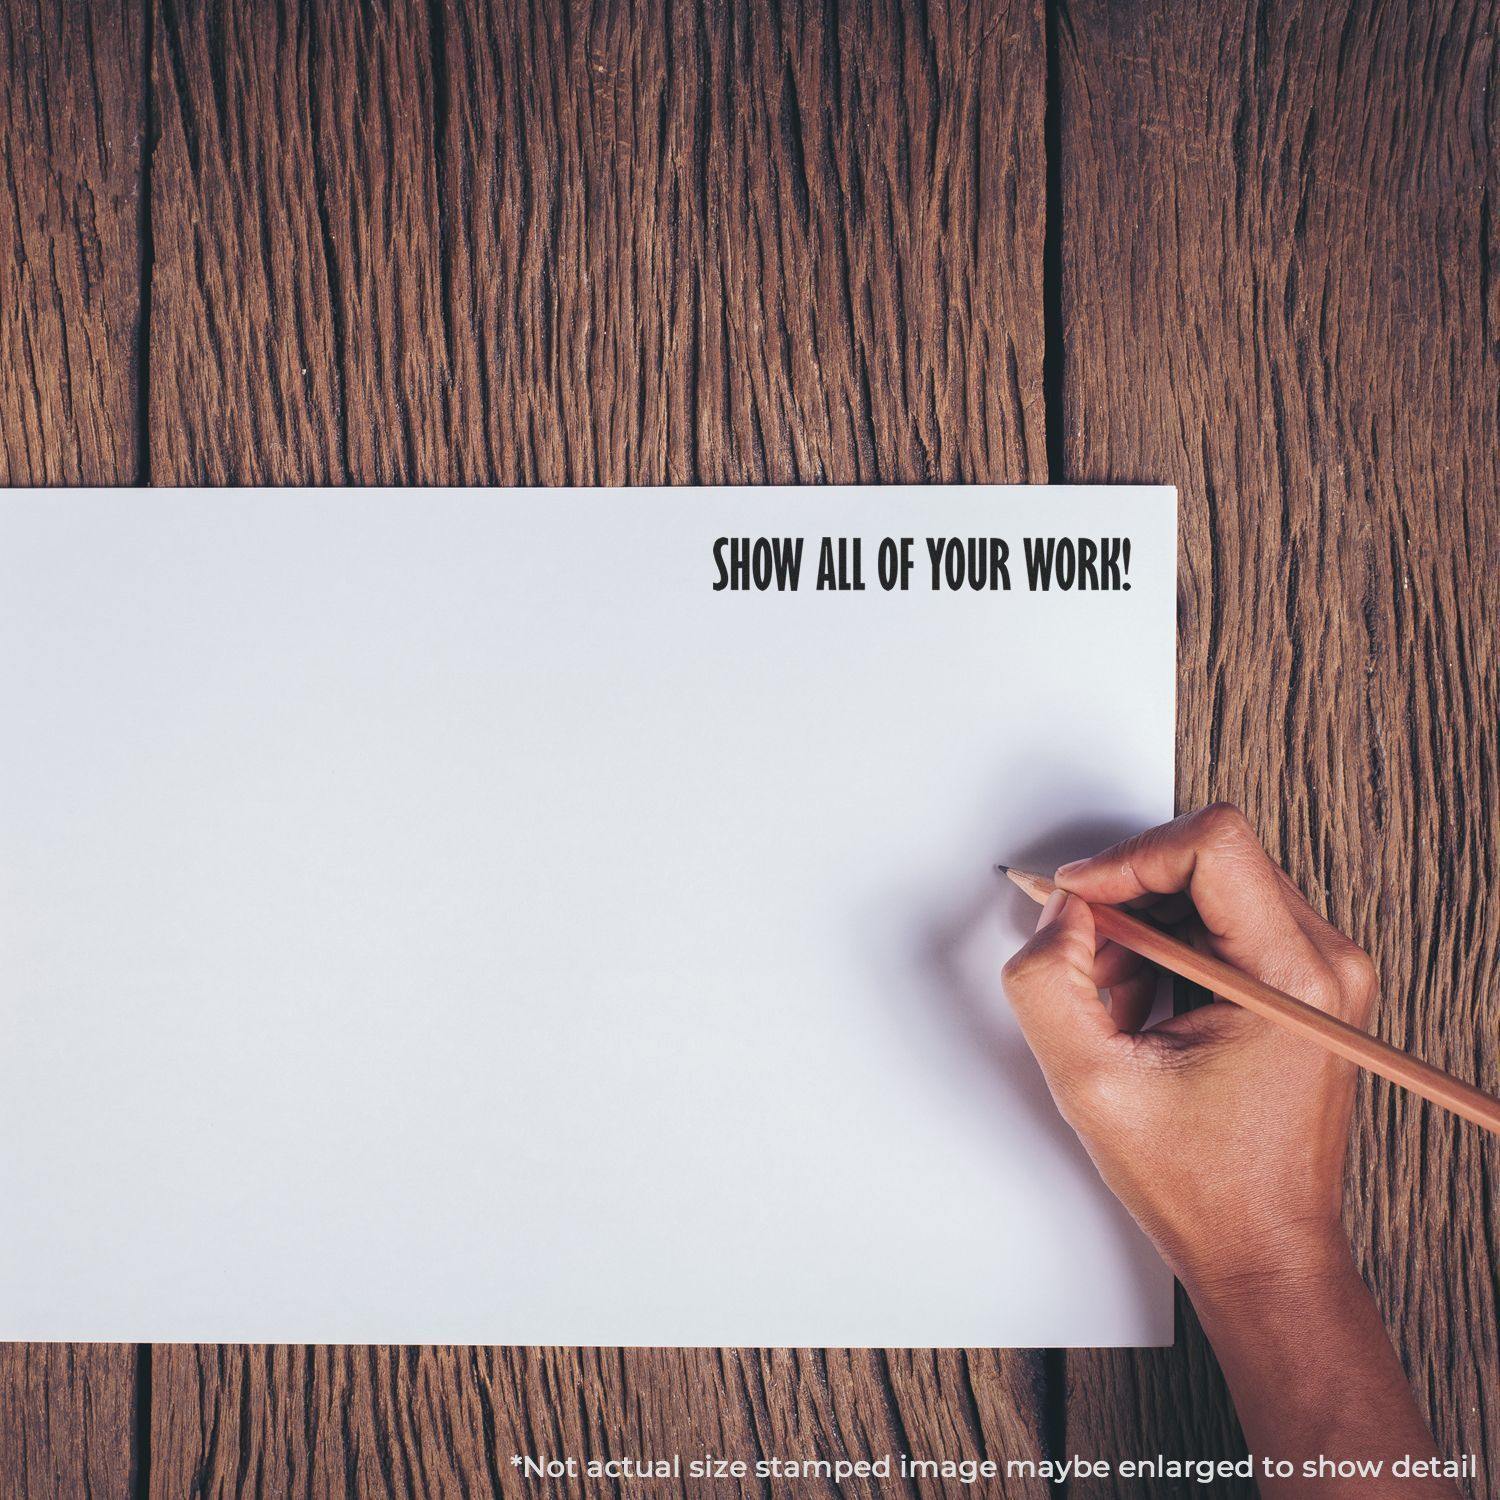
[1002, 869]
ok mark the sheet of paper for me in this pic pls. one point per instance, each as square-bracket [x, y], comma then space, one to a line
[444, 916]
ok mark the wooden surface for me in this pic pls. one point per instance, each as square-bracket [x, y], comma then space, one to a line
[1248, 250]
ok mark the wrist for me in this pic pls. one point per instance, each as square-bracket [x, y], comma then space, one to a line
[1298, 1265]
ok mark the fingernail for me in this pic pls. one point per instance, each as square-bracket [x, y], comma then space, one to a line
[1051, 908]
[1071, 868]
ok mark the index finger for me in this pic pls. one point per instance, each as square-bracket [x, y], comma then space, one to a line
[1214, 856]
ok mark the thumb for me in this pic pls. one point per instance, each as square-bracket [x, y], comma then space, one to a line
[1050, 984]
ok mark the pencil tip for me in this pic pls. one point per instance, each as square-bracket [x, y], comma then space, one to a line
[1002, 869]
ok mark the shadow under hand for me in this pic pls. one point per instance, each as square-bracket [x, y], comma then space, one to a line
[972, 998]
[962, 950]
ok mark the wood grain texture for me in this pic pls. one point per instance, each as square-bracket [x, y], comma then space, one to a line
[72, 98]
[71, 117]
[69, 1421]
[1280, 292]
[589, 244]
[253, 1421]
[573, 244]
[245, 384]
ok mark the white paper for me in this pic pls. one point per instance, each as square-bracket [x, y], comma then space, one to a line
[440, 916]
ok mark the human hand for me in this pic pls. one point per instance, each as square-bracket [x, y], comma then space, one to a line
[1222, 1134]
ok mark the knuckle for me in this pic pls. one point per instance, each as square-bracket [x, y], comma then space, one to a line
[1093, 1093]
[1356, 972]
[1320, 986]
[1022, 968]
[1325, 995]
[1225, 823]
[1036, 957]
[1128, 855]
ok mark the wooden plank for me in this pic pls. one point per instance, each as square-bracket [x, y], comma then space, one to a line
[246, 386]
[69, 1420]
[475, 243]
[272, 1421]
[71, 119]
[1280, 293]
[746, 246]
[71, 106]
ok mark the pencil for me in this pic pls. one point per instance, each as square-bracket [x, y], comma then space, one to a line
[1294, 1015]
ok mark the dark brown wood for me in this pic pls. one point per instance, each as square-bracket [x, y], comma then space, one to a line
[245, 379]
[71, 113]
[68, 1420]
[71, 116]
[475, 243]
[1280, 292]
[443, 1421]
[461, 244]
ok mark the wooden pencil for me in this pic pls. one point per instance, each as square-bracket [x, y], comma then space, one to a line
[1294, 1015]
